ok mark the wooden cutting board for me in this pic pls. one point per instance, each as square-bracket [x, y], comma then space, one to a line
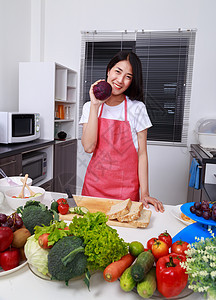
[95, 204]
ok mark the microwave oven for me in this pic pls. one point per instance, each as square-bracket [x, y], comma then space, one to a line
[35, 165]
[18, 127]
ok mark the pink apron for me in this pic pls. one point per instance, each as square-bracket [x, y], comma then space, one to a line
[113, 169]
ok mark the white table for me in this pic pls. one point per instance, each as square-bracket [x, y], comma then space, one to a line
[24, 285]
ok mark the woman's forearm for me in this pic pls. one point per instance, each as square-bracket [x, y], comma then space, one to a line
[143, 164]
[143, 175]
[90, 130]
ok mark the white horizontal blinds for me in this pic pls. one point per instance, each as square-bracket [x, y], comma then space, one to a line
[188, 85]
[167, 60]
[96, 51]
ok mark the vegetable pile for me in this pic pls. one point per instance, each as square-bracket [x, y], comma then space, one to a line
[151, 268]
[87, 244]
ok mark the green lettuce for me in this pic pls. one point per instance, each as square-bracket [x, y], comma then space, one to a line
[102, 243]
[36, 256]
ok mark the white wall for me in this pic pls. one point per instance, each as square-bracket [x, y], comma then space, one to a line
[61, 23]
[15, 24]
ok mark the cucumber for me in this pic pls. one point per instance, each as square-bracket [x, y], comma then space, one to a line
[142, 265]
[147, 286]
[126, 280]
[79, 210]
[36, 195]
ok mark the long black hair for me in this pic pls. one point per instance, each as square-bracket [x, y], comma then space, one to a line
[135, 90]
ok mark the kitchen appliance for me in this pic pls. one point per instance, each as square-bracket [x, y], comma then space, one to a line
[35, 165]
[19, 127]
[206, 131]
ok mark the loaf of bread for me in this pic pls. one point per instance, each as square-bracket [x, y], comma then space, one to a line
[133, 214]
[119, 209]
[143, 220]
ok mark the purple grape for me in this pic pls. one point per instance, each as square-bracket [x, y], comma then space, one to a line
[192, 209]
[10, 221]
[13, 228]
[197, 205]
[3, 218]
[18, 223]
[6, 224]
[206, 215]
[199, 213]
[205, 206]
[213, 206]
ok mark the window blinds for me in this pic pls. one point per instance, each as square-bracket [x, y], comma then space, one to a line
[167, 61]
[167, 58]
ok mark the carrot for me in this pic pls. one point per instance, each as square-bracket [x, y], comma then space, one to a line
[113, 271]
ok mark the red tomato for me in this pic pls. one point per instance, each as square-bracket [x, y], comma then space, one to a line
[151, 242]
[166, 237]
[43, 241]
[159, 249]
[179, 247]
[63, 208]
[60, 200]
[9, 259]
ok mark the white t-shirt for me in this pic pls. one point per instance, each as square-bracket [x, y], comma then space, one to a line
[136, 114]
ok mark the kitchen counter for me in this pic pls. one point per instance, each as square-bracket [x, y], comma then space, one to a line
[24, 285]
[13, 149]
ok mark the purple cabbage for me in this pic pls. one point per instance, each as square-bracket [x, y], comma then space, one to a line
[102, 90]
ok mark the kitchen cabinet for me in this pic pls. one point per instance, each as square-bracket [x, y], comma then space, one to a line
[50, 89]
[12, 165]
[12, 157]
[65, 165]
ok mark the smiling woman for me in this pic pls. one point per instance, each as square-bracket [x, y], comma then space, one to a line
[115, 131]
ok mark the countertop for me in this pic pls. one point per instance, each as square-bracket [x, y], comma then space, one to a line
[13, 149]
[24, 285]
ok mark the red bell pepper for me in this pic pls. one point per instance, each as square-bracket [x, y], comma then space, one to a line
[171, 277]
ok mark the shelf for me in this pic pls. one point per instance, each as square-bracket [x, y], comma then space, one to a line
[54, 93]
[71, 87]
[64, 101]
[64, 120]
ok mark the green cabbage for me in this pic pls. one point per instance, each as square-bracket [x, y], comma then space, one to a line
[36, 256]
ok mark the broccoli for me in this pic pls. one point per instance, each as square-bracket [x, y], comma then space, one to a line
[66, 259]
[35, 213]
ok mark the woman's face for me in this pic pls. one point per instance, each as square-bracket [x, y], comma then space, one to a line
[120, 77]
